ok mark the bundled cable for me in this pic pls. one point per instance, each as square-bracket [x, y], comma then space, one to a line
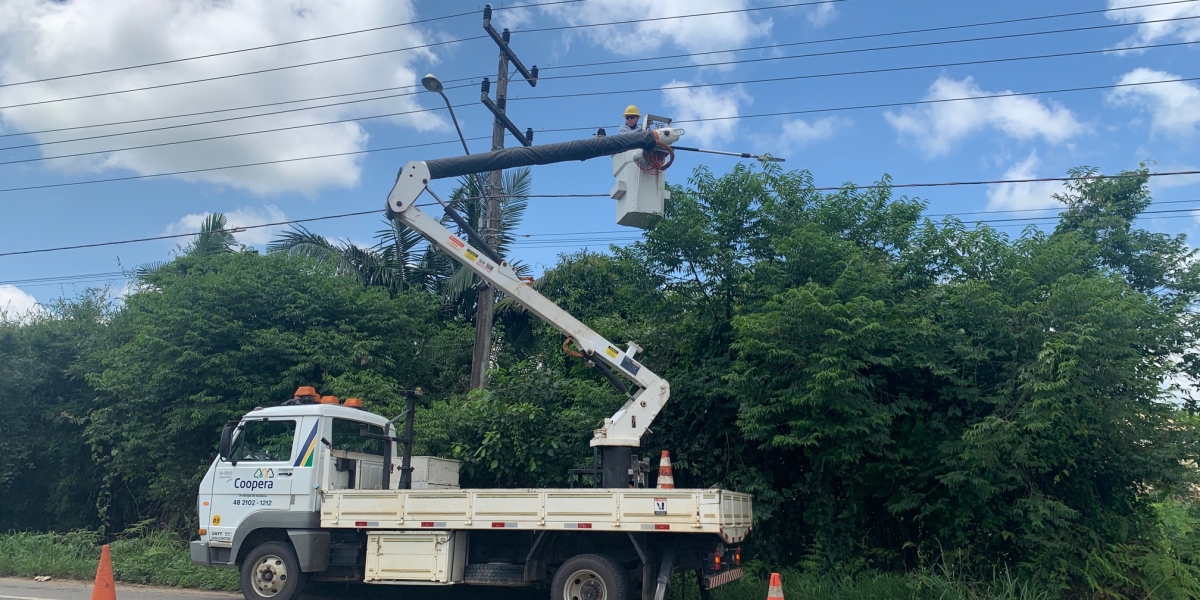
[657, 160]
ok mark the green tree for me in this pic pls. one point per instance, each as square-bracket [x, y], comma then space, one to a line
[47, 477]
[217, 335]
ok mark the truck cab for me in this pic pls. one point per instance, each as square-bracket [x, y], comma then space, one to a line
[275, 467]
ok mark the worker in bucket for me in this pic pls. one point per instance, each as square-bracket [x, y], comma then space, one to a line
[631, 120]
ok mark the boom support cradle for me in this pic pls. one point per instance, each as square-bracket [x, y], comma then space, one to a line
[626, 427]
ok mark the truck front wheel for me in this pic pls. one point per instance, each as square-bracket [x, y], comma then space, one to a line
[590, 577]
[272, 571]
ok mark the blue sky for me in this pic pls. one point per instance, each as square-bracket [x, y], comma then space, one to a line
[1015, 137]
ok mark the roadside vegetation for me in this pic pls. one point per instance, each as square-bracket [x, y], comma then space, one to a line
[921, 408]
[151, 558]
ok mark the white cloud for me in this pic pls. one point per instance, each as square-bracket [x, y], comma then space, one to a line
[1174, 107]
[822, 14]
[795, 134]
[1024, 196]
[937, 127]
[705, 103]
[15, 303]
[694, 34]
[237, 218]
[44, 39]
[1149, 33]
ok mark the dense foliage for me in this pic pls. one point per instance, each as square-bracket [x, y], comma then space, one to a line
[895, 392]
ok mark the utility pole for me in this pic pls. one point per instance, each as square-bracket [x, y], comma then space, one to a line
[489, 217]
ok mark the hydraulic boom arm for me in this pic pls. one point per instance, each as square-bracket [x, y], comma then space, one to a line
[625, 428]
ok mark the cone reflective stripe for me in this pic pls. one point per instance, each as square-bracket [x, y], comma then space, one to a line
[775, 589]
[666, 477]
[104, 588]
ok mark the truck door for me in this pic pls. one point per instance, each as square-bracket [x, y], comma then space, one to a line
[257, 477]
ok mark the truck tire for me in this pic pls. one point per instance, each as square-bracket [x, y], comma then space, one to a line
[590, 577]
[502, 574]
[271, 571]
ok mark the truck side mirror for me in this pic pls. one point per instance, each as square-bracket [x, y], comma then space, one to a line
[226, 443]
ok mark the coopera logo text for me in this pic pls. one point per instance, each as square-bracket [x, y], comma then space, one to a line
[253, 484]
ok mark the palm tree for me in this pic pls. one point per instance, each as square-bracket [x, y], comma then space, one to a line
[396, 262]
[213, 238]
[514, 200]
[402, 259]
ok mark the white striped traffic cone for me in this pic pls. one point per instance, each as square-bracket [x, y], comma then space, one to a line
[666, 478]
[775, 588]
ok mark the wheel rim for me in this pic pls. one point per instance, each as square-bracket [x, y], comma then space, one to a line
[585, 584]
[270, 576]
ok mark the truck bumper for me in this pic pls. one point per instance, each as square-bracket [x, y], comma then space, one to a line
[712, 581]
[200, 553]
[209, 556]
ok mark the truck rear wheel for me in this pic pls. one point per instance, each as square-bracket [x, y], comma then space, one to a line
[590, 577]
[272, 572]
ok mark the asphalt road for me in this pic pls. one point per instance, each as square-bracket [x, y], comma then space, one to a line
[27, 589]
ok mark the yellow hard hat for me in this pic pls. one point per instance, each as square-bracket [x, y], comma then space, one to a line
[632, 110]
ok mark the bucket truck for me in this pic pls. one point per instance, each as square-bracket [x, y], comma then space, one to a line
[314, 489]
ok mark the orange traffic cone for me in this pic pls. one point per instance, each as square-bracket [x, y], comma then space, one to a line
[104, 589]
[666, 477]
[775, 589]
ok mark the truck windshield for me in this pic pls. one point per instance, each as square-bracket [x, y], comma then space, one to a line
[263, 441]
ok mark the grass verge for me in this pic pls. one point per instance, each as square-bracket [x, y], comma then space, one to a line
[156, 558]
[926, 584]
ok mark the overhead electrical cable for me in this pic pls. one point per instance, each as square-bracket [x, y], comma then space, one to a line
[582, 75]
[576, 95]
[862, 50]
[605, 63]
[369, 54]
[242, 74]
[280, 44]
[773, 114]
[859, 37]
[846, 73]
[581, 235]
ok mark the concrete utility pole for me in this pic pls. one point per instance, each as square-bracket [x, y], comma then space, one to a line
[489, 217]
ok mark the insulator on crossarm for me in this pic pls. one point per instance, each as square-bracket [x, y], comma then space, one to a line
[500, 102]
[601, 133]
[487, 12]
[534, 72]
[529, 134]
[486, 88]
[505, 35]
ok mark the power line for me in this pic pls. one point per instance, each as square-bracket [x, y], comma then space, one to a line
[241, 166]
[867, 36]
[277, 45]
[688, 86]
[1000, 181]
[192, 234]
[243, 74]
[60, 278]
[707, 14]
[605, 63]
[845, 73]
[378, 53]
[865, 187]
[583, 75]
[873, 49]
[783, 113]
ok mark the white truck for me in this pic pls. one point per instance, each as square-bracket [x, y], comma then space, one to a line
[314, 489]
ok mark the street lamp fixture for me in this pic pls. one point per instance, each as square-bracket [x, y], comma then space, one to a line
[433, 84]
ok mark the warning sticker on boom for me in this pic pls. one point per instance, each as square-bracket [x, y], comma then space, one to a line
[471, 256]
[611, 352]
[457, 243]
[629, 365]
